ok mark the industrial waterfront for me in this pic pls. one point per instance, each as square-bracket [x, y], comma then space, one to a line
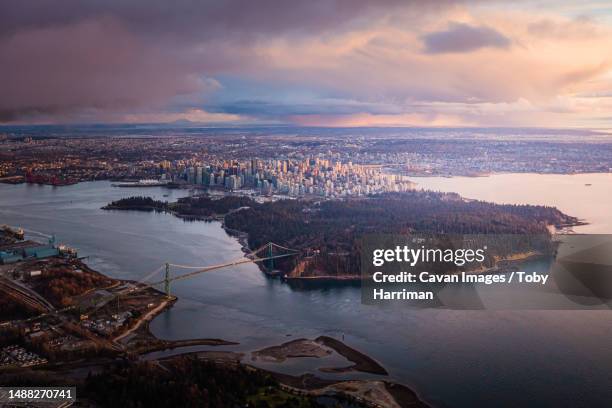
[417, 347]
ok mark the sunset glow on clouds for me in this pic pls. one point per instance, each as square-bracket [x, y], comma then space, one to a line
[317, 63]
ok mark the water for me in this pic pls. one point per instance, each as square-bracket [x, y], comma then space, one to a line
[586, 196]
[452, 358]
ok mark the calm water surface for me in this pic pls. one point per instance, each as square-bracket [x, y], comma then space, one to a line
[453, 358]
[586, 196]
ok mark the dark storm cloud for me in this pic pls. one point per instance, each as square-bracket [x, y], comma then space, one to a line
[64, 56]
[201, 19]
[70, 55]
[95, 64]
[460, 37]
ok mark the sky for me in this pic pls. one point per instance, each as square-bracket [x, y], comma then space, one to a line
[307, 63]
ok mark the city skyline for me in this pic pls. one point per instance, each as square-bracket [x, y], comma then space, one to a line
[321, 63]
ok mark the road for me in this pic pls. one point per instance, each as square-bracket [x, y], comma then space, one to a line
[25, 295]
[150, 314]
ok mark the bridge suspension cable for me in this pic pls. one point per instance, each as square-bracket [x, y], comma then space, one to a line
[220, 266]
[202, 269]
[282, 247]
[252, 253]
[259, 249]
[251, 257]
[197, 270]
[186, 266]
[151, 274]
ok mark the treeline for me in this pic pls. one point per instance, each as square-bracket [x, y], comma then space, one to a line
[186, 382]
[334, 227]
[188, 207]
[200, 206]
[137, 203]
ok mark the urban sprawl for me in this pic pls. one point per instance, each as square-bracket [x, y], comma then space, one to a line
[284, 161]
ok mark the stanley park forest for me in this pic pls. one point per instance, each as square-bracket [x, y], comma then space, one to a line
[327, 233]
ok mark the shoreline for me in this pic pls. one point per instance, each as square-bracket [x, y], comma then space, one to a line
[137, 341]
[499, 173]
[185, 217]
[395, 394]
[320, 347]
[286, 276]
[368, 392]
[361, 362]
[18, 179]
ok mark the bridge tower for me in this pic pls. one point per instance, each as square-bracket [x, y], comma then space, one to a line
[167, 280]
[270, 261]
